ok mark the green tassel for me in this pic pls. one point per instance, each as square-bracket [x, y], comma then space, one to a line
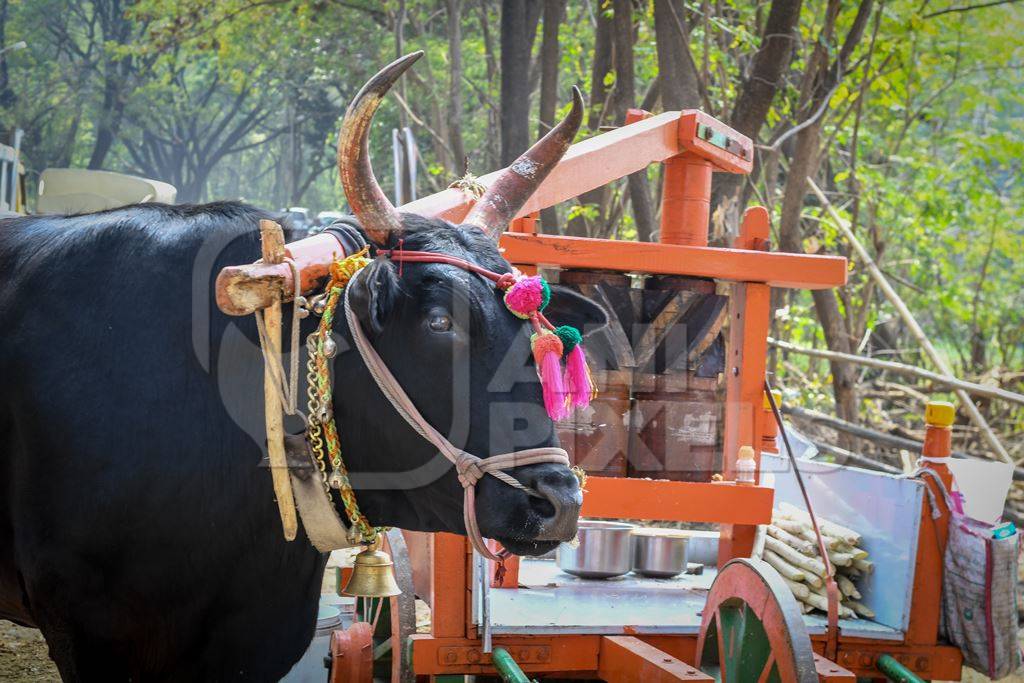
[570, 337]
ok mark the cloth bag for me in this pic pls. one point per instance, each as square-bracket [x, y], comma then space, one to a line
[979, 596]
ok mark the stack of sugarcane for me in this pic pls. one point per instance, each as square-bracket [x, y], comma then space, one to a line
[790, 546]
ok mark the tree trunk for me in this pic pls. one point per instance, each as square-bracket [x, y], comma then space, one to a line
[517, 17]
[678, 76]
[755, 99]
[625, 97]
[493, 152]
[7, 97]
[455, 85]
[600, 67]
[820, 79]
[550, 55]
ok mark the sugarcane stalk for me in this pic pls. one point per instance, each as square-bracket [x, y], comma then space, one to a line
[864, 566]
[860, 609]
[826, 527]
[784, 568]
[799, 590]
[806, 547]
[847, 587]
[794, 557]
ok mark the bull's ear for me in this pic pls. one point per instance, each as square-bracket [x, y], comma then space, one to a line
[571, 308]
[374, 294]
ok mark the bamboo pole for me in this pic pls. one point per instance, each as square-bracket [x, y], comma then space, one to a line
[272, 242]
[897, 302]
[902, 369]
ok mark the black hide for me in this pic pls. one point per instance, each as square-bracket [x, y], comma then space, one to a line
[136, 528]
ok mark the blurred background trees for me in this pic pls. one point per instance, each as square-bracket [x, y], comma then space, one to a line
[907, 112]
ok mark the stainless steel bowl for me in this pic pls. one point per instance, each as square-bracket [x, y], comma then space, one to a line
[603, 551]
[659, 553]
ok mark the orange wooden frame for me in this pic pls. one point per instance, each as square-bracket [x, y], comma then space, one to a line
[753, 271]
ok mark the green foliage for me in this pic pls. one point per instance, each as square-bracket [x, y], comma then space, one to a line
[922, 139]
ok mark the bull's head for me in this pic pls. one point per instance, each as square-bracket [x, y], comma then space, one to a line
[459, 354]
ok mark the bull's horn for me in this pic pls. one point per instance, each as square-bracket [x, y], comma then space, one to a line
[507, 194]
[368, 202]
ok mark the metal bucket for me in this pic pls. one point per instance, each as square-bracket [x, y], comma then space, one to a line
[659, 553]
[603, 551]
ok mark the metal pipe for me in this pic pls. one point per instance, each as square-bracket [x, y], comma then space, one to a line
[507, 667]
[895, 671]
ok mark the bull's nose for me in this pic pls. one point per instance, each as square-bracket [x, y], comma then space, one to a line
[559, 505]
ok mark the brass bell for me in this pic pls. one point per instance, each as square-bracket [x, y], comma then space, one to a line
[373, 575]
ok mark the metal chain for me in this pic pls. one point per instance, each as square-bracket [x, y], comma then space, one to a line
[321, 428]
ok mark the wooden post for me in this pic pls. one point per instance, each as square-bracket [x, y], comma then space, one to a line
[897, 302]
[272, 240]
[746, 356]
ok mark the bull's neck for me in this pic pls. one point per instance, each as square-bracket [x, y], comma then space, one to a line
[392, 468]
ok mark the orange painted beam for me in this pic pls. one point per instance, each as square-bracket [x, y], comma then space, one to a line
[676, 501]
[777, 269]
[625, 659]
[586, 165]
[534, 654]
[449, 586]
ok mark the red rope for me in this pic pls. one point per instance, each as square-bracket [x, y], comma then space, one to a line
[831, 587]
[499, 279]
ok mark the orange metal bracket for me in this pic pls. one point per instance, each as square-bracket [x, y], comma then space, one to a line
[830, 672]
[625, 659]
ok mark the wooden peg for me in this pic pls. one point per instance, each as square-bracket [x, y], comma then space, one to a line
[272, 242]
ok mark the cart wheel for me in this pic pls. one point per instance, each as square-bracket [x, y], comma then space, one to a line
[352, 654]
[752, 628]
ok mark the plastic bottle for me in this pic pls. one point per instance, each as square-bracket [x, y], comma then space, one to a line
[746, 466]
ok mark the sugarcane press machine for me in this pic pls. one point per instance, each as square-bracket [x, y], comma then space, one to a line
[681, 372]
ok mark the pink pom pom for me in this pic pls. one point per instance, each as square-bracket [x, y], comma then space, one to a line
[551, 384]
[577, 378]
[525, 296]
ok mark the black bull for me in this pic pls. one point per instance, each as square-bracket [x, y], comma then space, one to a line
[137, 530]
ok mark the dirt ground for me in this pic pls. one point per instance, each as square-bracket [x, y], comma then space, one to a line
[23, 655]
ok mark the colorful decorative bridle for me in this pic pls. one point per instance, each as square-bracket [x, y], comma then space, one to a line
[525, 297]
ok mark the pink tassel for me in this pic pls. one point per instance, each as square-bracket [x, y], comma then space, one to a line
[552, 385]
[577, 378]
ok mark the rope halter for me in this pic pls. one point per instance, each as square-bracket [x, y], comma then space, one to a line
[525, 297]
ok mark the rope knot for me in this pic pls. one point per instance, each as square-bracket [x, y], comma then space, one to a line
[468, 468]
[505, 281]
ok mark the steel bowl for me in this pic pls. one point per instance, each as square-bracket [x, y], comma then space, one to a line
[659, 553]
[603, 551]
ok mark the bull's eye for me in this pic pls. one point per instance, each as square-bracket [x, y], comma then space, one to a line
[440, 322]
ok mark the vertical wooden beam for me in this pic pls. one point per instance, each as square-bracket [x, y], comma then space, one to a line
[926, 600]
[449, 587]
[272, 241]
[746, 356]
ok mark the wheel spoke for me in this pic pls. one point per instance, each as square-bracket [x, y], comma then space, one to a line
[769, 672]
